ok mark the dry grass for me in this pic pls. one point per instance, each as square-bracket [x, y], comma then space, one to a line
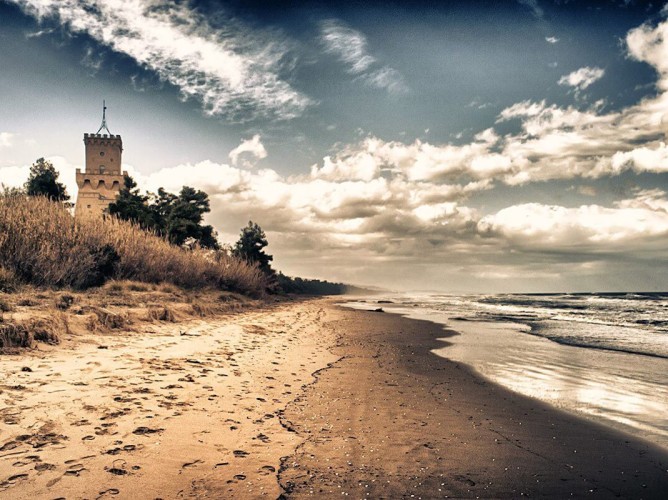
[8, 281]
[43, 331]
[15, 335]
[160, 313]
[43, 316]
[43, 245]
[24, 334]
[108, 319]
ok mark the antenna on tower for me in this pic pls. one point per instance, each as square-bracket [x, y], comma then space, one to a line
[104, 119]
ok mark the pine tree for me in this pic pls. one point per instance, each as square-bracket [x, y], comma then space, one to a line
[250, 247]
[132, 205]
[43, 181]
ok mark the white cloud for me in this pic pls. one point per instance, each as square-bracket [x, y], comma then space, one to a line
[346, 43]
[650, 44]
[582, 78]
[252, 147]
[642, 159]
[381, 203]
[588, 228]
[351, 47]
[232, 71]
[6, 139]
[551, 39]
[536, 10]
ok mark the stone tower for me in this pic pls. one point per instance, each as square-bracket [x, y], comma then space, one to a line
[102, 179]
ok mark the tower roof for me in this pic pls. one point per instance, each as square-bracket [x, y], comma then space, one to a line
[104, 119]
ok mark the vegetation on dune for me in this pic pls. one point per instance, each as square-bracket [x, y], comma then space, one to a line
[151, 238]
[155, 245]
[42, 244]
[32, 315]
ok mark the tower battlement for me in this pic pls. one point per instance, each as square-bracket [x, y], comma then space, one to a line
[101, 136]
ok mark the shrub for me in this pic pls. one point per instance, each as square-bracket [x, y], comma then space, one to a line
[160, 313]
[43, 331]
[109, 319]
[5, 305]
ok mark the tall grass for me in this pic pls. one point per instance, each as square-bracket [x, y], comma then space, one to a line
[42, 244]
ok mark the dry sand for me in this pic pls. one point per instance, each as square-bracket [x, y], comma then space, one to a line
[175, 411]
[300, 399]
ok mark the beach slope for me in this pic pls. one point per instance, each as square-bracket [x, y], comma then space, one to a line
[390, 419]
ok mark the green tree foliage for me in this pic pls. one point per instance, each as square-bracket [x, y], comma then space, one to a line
[43, 181]
[133, 206]
[250, 247]
[183, 215]
[175, 217]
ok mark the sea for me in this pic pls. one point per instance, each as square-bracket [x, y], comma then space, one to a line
[603, 356]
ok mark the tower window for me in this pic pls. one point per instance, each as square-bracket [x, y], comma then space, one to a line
[101, 153]
[101, 169]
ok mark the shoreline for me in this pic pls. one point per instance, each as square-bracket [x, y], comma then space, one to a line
[302, 398]
[622, 390]
[391, 419]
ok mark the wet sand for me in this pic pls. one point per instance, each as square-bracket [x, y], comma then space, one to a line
[392, 420]
[295, 400]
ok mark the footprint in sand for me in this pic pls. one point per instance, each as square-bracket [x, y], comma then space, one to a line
[262, 437]
[110, 491]
[11, 480]
[9, 445]
[75, 470]
[240, 453]
[192, 464]
[141, 431]
[41, 467]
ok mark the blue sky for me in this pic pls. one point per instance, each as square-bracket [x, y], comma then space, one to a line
[456, 146]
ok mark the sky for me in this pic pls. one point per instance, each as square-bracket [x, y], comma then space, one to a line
[456, 146]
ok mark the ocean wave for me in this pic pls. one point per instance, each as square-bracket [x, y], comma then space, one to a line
[602, 346]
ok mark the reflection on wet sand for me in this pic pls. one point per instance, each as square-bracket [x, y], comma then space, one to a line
[626, 390]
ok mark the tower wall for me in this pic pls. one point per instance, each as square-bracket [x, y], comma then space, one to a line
[102, 180]
[103, 153]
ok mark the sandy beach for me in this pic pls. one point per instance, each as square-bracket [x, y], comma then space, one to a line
[297, 399]
[189, 410]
